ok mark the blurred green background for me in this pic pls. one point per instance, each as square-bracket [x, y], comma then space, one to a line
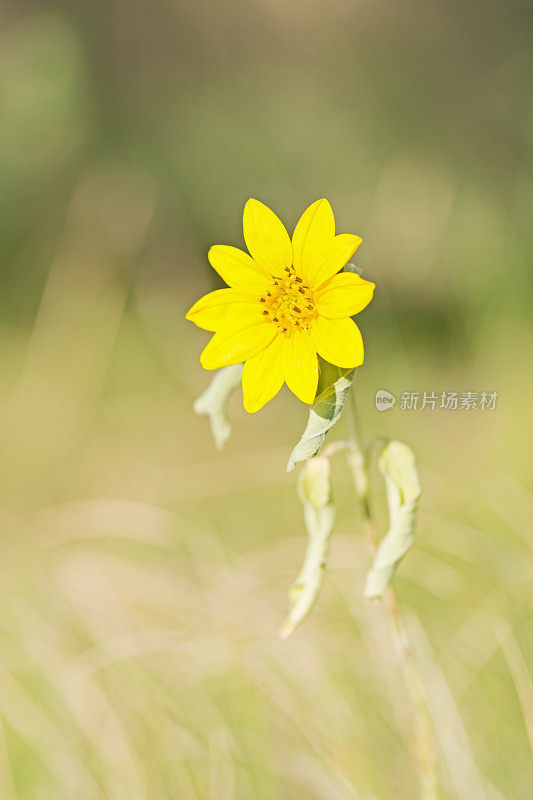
[144, 574]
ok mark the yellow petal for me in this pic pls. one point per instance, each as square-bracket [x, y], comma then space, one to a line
[262, 376]
[232, 345]
[238, 269]
[339, 341]
[300, 366]
[343, 295]
[315, 229]
[215, 308]
[332, 258]
[266, 238]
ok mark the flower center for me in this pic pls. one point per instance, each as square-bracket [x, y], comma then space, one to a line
[289, 303]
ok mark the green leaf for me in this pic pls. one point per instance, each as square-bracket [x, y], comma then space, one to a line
[214, 401]
[314, 489]
[397, 465]
[333, 385]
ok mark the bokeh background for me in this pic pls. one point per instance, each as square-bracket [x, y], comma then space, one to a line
[144, 574]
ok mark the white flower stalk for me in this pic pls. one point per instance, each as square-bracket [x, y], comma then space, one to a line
[287, 315]
[314, 489]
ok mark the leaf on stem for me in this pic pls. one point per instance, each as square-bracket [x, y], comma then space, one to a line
[214, 401]
[314, 489]
[351, 267]
[333, 385]
[397, 465]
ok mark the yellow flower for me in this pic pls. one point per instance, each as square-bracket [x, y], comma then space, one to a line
[285, 304]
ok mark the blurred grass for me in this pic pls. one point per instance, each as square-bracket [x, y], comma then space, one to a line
[144, 574]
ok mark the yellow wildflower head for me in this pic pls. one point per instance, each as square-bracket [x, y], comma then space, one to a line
[286, 304]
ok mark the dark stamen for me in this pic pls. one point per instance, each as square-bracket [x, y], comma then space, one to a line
[298, 310]
[298, 280]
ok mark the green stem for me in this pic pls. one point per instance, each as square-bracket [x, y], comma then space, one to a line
[426, 757]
